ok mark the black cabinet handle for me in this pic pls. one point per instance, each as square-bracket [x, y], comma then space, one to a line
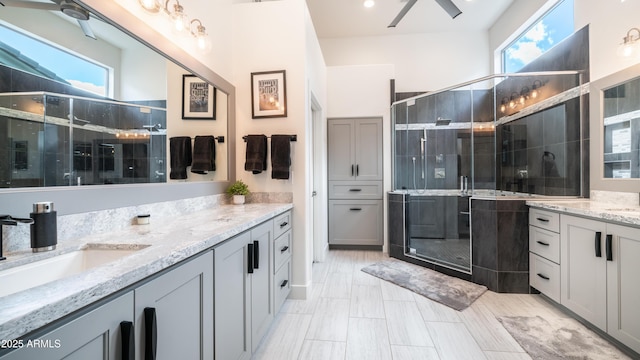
[352, 173]
[355, 190]
[543, 276]
[284, 283]
[256, 254]
[357, 170]
[128, 341]
[598, 244]
[150, 333]
[250, 258]
[355, 209]
[608, 245]
[284, 224]
[542, 243]
[284, 249]
[542, 219]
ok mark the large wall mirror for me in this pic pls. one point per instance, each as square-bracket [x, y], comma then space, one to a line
[615, 124]
[87, 104]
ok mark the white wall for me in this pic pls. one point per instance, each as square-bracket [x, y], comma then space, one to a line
[422, 62]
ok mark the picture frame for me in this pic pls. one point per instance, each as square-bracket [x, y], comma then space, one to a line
[268, 94]
[198, 99]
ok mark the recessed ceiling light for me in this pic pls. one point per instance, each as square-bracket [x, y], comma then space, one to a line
[369, 3]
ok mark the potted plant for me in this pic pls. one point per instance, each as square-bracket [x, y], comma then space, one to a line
[238, 190]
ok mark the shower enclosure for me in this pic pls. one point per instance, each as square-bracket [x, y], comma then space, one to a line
[517, 134]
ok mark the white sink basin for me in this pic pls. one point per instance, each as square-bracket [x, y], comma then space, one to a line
[30, 275]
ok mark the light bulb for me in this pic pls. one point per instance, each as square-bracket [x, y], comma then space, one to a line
[503, 108]
[534, 93]
[150, 5]
[369, 3]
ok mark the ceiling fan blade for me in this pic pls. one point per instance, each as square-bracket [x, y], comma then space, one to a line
[449, 7]
[30, 5]
[402, 13]
[86, 29]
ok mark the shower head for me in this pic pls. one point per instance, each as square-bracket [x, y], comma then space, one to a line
[442, 122]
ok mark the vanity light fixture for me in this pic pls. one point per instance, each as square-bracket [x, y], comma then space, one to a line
[512, 100]
[368, 3]
[181, 23]
[630, 46]
[535, 89]
[200, 34]
[524, 95]
[503, 104]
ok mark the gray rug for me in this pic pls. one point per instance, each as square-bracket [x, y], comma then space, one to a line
[447, 290]
[559, 339]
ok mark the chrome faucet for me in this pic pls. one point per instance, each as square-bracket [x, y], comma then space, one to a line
[10, 221]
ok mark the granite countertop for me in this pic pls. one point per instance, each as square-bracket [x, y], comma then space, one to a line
[161, 244]
[628, 215]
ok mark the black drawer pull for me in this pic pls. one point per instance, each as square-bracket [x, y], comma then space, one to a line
[355, 190]
[128, 341]
[608, 245]
[542, 243]
[150, 333]
[542, 219]
[357, 170]
[285, 248]
[355, 209]
[250, 258]
[284, 224]
[598, 244]
[543, 276]
[284, 283]
[352, 173]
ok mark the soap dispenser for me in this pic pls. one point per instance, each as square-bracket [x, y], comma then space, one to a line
[44, 230]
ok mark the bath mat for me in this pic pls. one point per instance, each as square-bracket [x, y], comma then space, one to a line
[455, 293]
[559, 339]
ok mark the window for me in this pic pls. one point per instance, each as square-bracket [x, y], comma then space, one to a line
[26, 53]
[553, 27]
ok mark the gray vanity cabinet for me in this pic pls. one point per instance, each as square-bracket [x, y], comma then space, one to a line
[182, 301]
[243, 292]
[355, 149]
[95, 335]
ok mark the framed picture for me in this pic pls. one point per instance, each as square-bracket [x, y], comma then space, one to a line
[198, 99]
[268, 94]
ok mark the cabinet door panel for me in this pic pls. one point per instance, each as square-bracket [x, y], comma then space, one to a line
[232, 293]
[623, 286]
[182, 299]
[95, 335]
[341, 150]
[583, 275]
[261, 286]
[368, 139]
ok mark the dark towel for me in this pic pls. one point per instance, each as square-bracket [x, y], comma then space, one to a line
[180, 152]
[256, 154]
[280, 156]
[204, 154]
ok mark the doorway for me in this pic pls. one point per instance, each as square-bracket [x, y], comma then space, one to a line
[318, 186]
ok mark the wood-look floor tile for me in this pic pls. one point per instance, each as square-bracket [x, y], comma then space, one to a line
[330, 320]
[362, 278]
[323, 350]
[454, 342]
[394, 292]
[308, 306]
[285, 337]
[368, 339]
[399, 352]
[338, 285]
[487, 330]
[434, 311]
[366, 301]
[497, 355]
[405, 324]
[319, 272]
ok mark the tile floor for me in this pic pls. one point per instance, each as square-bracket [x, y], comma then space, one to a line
[353, 315]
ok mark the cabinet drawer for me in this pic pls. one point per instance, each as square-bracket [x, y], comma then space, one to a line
[544, 276]
[355, 190]
[544, 219]
[281, 250]
[544, 243]
[355, 222]
[281, 224]
[282, 284]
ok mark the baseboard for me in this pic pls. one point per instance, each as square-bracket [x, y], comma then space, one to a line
[300, 292]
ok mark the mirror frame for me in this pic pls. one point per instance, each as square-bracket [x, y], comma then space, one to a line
[596, 124]
[73, 200]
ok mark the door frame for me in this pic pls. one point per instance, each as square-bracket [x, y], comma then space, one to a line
[318, 177]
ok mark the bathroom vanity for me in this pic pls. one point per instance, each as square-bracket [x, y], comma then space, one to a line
[584, 256]
[183, 286]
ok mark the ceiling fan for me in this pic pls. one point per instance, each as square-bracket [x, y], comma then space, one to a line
[67, 7]
[447, 5]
